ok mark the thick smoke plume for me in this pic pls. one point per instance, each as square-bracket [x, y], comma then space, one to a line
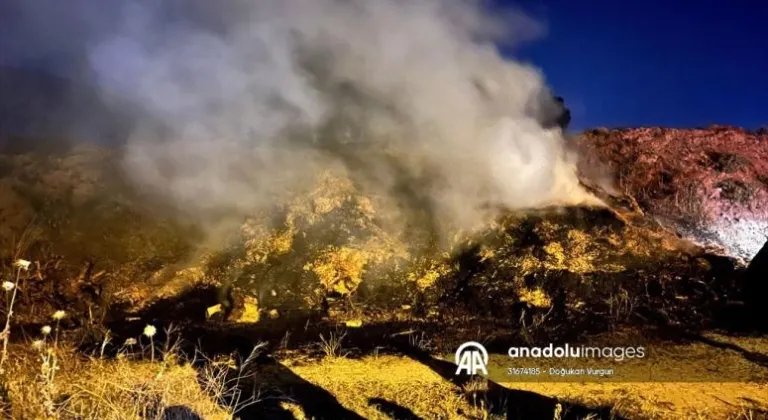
[243, 101]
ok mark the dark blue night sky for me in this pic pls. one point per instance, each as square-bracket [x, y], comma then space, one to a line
[677, 63]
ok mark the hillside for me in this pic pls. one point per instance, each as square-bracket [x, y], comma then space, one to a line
[321, 280]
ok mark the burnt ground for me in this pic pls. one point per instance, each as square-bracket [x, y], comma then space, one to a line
[557, 275]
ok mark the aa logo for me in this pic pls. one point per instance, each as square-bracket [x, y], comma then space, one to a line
[471, 358]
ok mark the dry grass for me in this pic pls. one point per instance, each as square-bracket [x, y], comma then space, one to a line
[405, 383]
[125, 388]
[45, 379]
[368, 385]
[332, 346]
[107, 389]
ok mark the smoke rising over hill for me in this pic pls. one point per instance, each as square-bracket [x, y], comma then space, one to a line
[244, 101]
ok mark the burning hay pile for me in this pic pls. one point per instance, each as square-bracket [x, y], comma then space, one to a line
[238, 111]
[290, 167]
[307, 157]
[329, 250]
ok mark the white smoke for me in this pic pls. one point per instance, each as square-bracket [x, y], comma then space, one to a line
[249, 99]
